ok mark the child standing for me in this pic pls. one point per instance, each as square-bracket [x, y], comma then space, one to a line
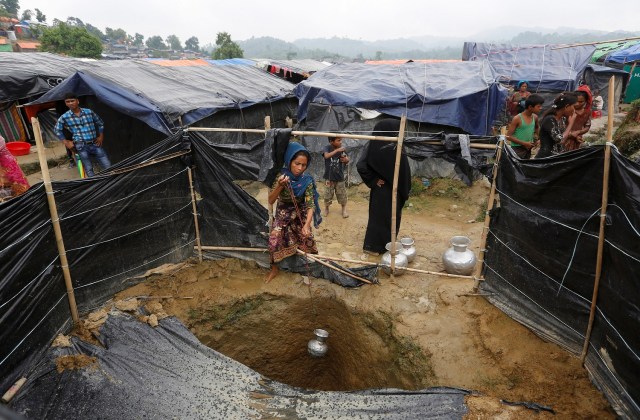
[335, 160]
[524, 126]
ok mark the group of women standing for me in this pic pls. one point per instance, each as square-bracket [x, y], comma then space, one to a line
[563, 125]
[297, 197]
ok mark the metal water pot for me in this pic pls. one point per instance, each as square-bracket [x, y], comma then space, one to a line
[408, 249]
[458, 259]
[317, 346]
[401, 260]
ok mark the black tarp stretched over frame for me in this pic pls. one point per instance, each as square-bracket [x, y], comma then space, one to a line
[541, 259]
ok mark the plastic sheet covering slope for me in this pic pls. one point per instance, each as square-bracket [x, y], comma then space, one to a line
[29, 75]
[166, 373]
[541, 259]
[456, 94]
[545, 68]
[191, 93]
[114, 228]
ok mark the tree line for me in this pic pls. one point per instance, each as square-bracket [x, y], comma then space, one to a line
[76, 38]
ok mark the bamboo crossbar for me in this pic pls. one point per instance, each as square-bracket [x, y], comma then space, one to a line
[339, 270]
[596, 43]
[147, 163]
[324, 257]
[297, 133]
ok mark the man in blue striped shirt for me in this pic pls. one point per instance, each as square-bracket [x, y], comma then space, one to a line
[87, 131]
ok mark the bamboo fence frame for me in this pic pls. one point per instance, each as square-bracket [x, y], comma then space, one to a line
[195, 214]
[603, 217]
[55, 220]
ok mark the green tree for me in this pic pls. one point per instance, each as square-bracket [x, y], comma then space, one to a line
[11, 6]
[174, 43]
[192, 44]
[40, 17]
[226, 48]
[26, 15]
[378, 55]
[94, 31]
[116, 35]
[74, 21]
[138, 40]
[70, 40]
[156, 43]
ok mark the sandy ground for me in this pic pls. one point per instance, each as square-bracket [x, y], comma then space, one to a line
[467, 342]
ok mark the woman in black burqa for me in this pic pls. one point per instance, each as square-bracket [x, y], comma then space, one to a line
[376, 168]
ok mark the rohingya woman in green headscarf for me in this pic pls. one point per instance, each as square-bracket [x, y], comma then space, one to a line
[376, 168]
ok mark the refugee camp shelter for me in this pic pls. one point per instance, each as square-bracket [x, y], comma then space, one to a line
[547, 68]
[141, 102]
[598, 77]
[628, 59]
[23, 78]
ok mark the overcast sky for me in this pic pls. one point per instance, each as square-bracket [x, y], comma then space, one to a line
[367, 20]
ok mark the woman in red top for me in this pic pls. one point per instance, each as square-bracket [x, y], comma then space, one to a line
[582, 122]
[516, 101]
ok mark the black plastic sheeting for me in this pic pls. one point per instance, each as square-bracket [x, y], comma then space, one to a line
[166, 373]
[457, 94]
[544, 67]
[541, 259]
[30, 75]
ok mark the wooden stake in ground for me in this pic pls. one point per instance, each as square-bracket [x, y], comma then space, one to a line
[487, 218]
[603, 217]
[55, 220]
[195, 214]
[394, 192]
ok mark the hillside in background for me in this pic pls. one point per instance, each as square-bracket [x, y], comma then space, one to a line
[425, 47]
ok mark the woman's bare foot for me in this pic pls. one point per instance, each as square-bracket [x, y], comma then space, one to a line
[326, 211]
[344, 212]
[272, 274]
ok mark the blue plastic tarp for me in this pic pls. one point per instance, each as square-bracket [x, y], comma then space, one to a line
[544, 67]
[628, 55]
[457, 94]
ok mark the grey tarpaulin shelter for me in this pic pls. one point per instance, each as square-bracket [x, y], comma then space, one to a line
[142, 103]
[598, 77]
[545, 67]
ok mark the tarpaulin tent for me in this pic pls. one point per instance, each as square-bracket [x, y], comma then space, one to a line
[545, 67]
[625, 55]
[294, 71]
[541, 258]
[598, 77]
[142, 102]
[604, 49]
[454, 94]
[628, 59]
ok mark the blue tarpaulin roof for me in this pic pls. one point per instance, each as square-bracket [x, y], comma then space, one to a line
[628, 55]
[545, 67]
[458, 94]
[159, 95]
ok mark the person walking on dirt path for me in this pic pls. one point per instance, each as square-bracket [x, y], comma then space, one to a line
[524, 127]
[87, 132]
[297, 208]
[376, 168]
[335, 160]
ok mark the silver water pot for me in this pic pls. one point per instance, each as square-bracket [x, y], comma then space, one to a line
[408, 248]
[458, 259]
[317, 346]
[401, 260]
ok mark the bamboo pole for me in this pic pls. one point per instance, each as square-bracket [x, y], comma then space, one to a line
[610, 108]
[339, 270]
[596, 42]
[324, 257]
[603, 216]
[326, 134]
[144, 164]
[394, 192]
[487, 219]
[267, 127]
[55, 220]
[195, 214]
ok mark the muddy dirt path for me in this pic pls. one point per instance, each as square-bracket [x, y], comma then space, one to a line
[460, 339]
